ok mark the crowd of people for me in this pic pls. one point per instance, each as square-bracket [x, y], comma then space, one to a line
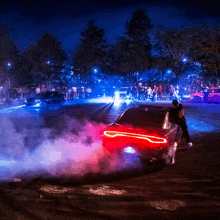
[159, 92]
[137, 91]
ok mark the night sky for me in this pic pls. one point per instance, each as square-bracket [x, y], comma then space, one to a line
[29, 19]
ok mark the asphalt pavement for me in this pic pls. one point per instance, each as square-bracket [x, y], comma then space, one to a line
[189, 189]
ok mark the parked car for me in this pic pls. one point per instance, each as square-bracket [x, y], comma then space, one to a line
[45, 98]
[213, 95]
[146, 132]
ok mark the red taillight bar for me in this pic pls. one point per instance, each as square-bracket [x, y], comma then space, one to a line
[139, 136]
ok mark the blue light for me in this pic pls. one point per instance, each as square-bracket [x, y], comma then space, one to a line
[169, 71]
[184, 60]
[9, 64]
[130, 150]
[95, 70]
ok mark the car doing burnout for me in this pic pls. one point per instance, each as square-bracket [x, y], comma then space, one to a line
[45, 98]
[144, 131]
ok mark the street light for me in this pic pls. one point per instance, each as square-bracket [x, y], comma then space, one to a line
[184, 59]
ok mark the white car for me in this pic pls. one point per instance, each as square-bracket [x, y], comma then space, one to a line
[123, 93]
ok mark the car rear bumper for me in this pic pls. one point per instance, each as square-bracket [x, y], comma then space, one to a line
[156, 152]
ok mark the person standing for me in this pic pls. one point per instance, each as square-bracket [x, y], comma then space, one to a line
[160, 88]
[178, 117]
[206, 94]
[155, 89]
[149, 92]
[172, 90]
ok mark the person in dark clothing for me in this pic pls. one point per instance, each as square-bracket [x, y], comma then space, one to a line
[206, 94]
[178, 117]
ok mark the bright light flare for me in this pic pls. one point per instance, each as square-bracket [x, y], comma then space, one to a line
[152, 139]
[117, 102]
[117, 96]
[128, 101]
[130, 150]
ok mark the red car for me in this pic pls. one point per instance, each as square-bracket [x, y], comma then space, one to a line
[213, 95]
[144, 131]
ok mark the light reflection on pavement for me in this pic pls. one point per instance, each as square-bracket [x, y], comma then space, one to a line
[188, 189]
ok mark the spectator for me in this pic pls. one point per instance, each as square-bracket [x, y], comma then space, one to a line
[178, 117]
[160, 88]
[172, 89]
[206, 94]
[154, 95]
[149, 93]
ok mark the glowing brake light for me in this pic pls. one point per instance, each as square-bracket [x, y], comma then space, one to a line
[152, 139]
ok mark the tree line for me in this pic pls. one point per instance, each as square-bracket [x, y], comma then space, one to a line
[179, 50]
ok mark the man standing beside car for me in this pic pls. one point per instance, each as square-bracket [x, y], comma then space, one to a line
[177, 115]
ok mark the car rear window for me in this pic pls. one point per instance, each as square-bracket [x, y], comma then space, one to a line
[142, 118]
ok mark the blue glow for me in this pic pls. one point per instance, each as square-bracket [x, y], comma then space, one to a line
[184, 60]
[37, 105]
[196, 125]
[117, 102]
[197, 64]
[117, 95]
[7, 162]
[130, 150]
[128, 101]
[169, 71]
[9, 64]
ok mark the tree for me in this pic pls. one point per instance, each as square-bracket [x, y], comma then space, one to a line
[91, 51]
[45, 59]
[132, 52]
[9, 56]
[175, 45]
[185, 43]
[162, 64]
[209, 51]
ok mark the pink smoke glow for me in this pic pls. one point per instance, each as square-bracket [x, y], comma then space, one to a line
[73, 151]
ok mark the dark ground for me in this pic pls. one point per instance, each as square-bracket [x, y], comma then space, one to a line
[189, 189]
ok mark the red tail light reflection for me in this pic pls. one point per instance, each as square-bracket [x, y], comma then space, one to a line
[152, 139]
